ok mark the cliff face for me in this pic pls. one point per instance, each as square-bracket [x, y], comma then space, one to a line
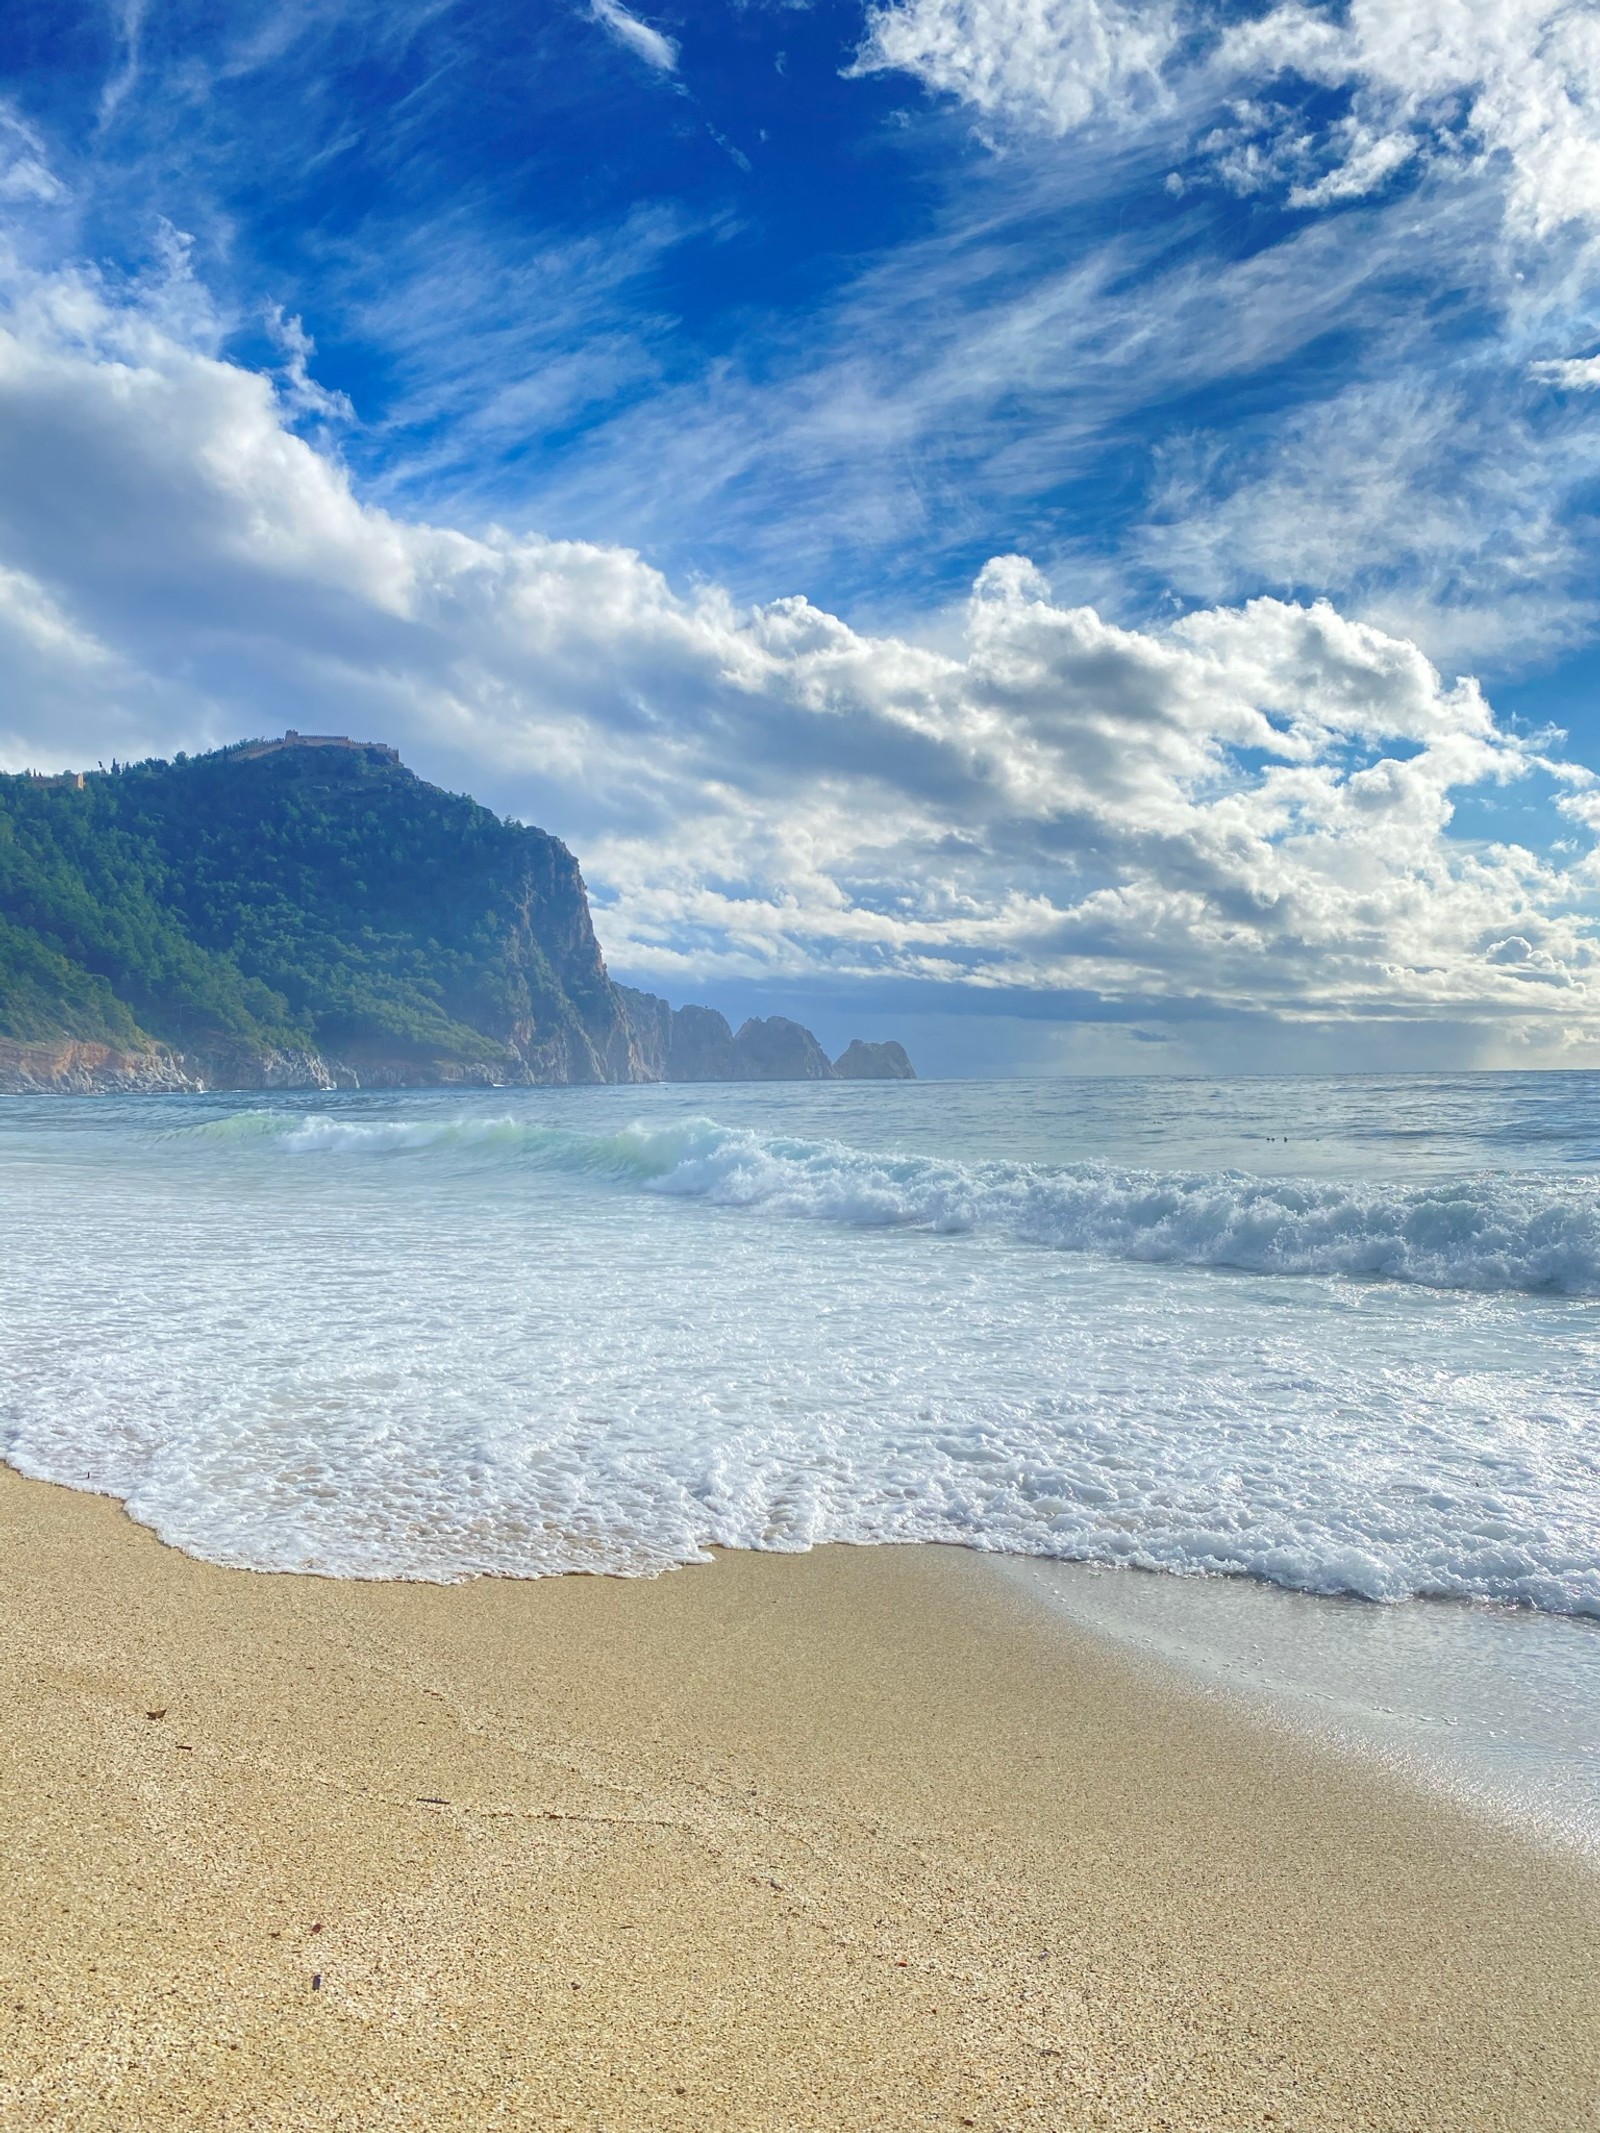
[677, 1043]
[71, 1067]
[309, 914]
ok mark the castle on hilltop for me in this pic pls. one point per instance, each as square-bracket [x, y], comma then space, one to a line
[292, 739]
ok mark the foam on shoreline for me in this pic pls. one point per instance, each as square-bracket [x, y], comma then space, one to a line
[438, 1337]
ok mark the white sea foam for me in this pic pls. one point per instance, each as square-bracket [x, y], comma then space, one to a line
[1501, 1231]
[432, 1337]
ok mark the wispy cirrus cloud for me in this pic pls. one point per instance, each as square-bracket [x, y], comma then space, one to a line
[1289, 418]
[651, 45]
[1574, 374]
[26, 178]
[129, 19]
[1454, 148]
[1447, 507]
[492, 348]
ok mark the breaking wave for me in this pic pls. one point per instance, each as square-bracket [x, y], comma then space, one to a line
[1488, 1232]
[435, 1338]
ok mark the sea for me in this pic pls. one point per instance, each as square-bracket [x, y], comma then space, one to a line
[1291, 1384]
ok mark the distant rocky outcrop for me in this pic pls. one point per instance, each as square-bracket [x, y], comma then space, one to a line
[697, 1044]
[307, 913]
[678, 1043]
[702, 1046]
[860, 1061]
[778, 1050]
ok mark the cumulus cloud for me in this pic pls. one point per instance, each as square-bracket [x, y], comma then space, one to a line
[1250, 808]
[638, 37]
[1512, 83]
[1053, 63]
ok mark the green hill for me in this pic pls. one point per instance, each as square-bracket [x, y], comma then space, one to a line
[297, 911]
[309, 913]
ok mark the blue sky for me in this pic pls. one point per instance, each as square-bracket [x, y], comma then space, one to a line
[1056, 528]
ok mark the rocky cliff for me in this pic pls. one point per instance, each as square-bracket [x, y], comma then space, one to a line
[298, 914]
[307, 913]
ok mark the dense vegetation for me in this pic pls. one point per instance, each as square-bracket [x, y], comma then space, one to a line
[305, 898]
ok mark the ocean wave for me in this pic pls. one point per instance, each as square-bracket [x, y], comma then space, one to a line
[1488, 1232]
[414, 1338]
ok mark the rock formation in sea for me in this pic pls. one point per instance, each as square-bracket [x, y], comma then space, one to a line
[777, 1049]
[308, 913]
[678, 1043]
[697, 1044]
[860, 1061]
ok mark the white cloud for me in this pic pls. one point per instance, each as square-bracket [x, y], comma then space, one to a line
[1575, 374]
[960, 382]
[1056, 64]
[301, 392]
[1058, 337]
[639, 38]
[1248, 810]
[129, 16]
[1435, 503]
[1509, 81]
[1010, 366]
[491, 353]
[1365, 161]
[1512, 83]
[26, 178]
[61, 680]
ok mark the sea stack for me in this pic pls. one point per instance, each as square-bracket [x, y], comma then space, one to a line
[860, 1061]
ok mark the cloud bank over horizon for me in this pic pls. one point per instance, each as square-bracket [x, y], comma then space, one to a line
[1208, 769]
[1247, 811]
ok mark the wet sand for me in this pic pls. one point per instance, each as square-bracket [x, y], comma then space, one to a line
[854, 1839]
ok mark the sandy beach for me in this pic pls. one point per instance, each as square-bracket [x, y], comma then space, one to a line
[856, 1838]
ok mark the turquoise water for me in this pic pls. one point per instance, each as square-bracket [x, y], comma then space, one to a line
[1341, 1336]
[1338, 1335]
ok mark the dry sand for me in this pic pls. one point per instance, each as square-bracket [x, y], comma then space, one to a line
[842, 1840]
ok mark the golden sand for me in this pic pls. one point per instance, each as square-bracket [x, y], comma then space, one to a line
[853, 1839]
